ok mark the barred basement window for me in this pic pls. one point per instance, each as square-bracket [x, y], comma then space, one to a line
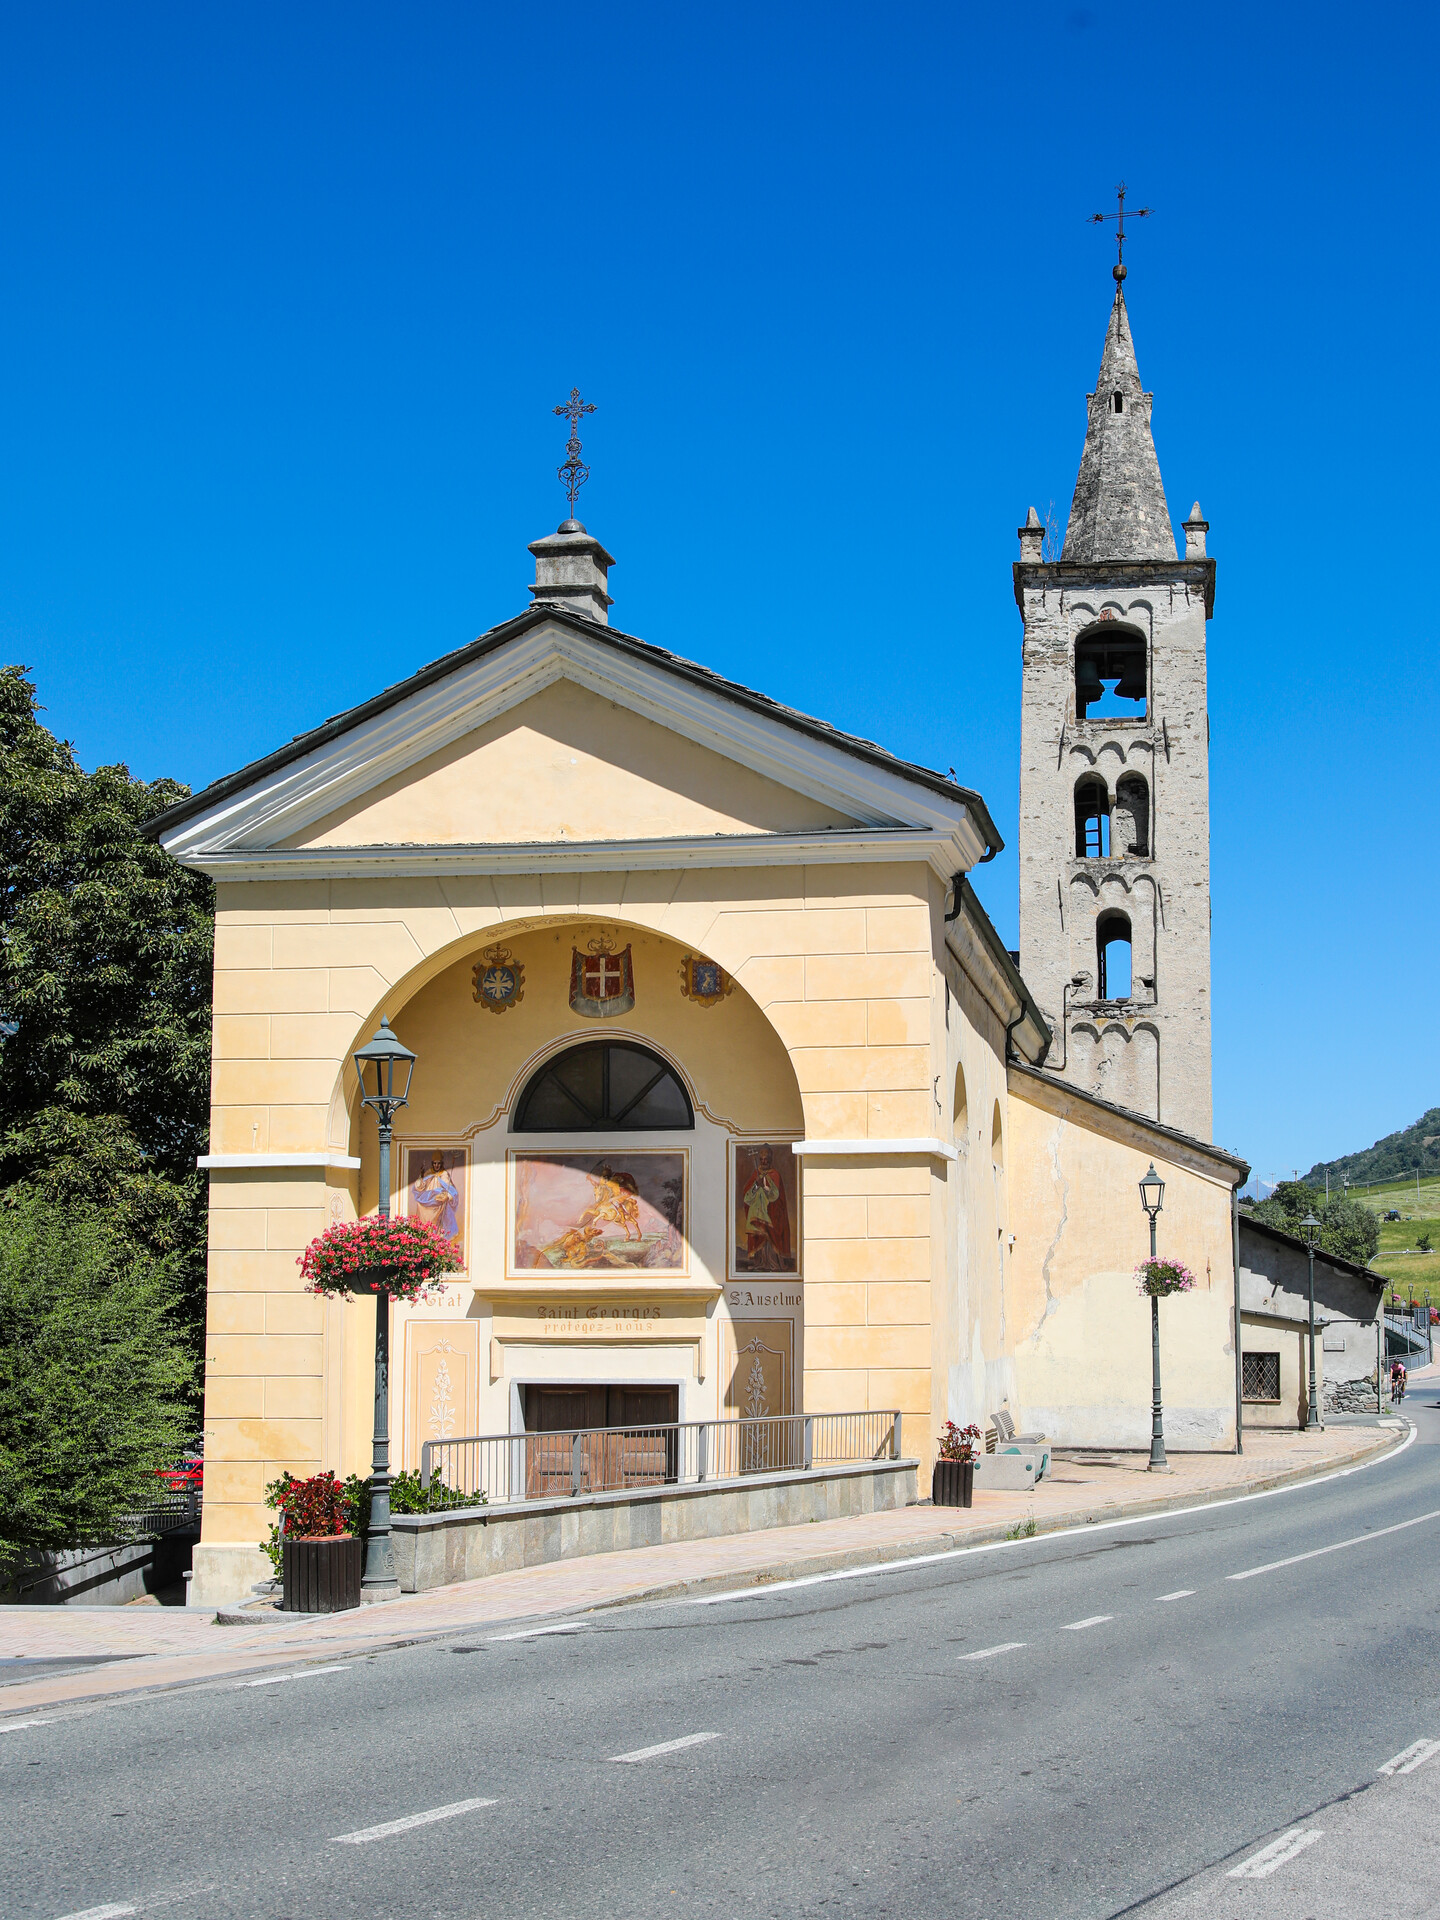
[1260, 1376]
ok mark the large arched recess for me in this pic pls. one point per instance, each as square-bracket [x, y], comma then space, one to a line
[472, 1063]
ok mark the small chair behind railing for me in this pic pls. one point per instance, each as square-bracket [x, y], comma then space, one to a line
[502, 1467]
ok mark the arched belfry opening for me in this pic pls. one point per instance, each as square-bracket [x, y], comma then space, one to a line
[1110, 673]
[1113, 955]
[1092, 818]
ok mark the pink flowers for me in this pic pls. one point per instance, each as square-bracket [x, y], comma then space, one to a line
[1159, 1277]
[397, 1254]
[958, 1443]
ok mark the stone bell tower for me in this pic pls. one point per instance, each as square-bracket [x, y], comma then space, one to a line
[1114, 837]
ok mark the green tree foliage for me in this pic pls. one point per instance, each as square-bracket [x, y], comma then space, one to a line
[96, 1374]
[105, 964]
[1392, 1158]
[1347, 1227]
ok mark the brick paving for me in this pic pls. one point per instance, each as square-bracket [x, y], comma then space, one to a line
[143, 1647]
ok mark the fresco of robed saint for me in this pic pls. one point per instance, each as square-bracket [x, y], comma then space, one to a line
[766, 1217]
[435, 1177]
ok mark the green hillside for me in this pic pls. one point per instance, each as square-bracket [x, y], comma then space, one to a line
[1389, 1159]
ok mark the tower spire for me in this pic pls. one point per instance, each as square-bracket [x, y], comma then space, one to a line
[1119, 511]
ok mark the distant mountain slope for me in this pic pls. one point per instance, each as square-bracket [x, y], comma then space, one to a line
[1389, 1159]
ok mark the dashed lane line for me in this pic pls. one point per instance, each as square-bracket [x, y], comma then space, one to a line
[365, 1835]
[1336, 1546]
[987, 1653]
[1180, 1593]
[1413, 1757]
[1079, 1626]
[278, 1679]
[1261, 1865]
[98, 1913]
[14, 1726]
[665, 1746]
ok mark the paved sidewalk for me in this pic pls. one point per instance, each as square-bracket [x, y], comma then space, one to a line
[141, 1647]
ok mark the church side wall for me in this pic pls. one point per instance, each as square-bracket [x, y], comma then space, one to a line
[1078, 1330]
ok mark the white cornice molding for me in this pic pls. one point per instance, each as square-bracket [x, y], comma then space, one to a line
[930, 1149]
[245, 1162]
[340, 771]
[945, 853]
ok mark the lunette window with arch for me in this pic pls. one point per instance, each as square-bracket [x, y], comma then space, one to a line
[1110, 674]
[1112, 956]
[604, 1086]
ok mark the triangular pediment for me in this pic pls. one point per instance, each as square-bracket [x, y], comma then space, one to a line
[553, 733]
[568, 764]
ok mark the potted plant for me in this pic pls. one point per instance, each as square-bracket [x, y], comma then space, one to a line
[320, 1556]
[953, 1481]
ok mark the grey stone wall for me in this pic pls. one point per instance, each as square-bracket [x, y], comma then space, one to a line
[1151, 1051]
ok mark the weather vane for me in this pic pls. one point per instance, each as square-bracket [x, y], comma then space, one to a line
[574, 473]
[1098, 219]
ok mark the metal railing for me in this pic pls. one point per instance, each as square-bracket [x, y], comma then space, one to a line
[503, 1467]
[172, 1512]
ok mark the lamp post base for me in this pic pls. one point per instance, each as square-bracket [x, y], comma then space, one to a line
[370, 1596]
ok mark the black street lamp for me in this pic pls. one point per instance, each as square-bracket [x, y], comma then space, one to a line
[1152, 1194]
[1310, 1227]
[389, 1066]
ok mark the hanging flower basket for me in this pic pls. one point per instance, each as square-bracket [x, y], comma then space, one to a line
[375, 1255]
[1157, 1278]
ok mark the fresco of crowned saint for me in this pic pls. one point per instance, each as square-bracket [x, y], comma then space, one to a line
[764, 1209]
[623, 1211]
[437, 1192]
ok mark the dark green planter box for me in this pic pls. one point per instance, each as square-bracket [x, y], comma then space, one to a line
[322, 1576]
[953, 1484]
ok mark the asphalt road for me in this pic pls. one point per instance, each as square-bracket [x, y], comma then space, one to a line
[1054, 1729]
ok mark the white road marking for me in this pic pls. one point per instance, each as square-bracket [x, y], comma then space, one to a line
[1045, 1539]
[1413, 1757]
[984, 1653]
[1079, 1626]
[534, 1633]
[274, 1679]
[665, 1746]
[387, 1827]
[98, 1913]
[1180, 1593]
[1337, 1546]
[1261, 1865]
[14, 1726]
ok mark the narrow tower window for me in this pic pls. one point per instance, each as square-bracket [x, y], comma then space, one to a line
[1118, 402]
[1112, 942]
[1110, 675]
[1132, 815]
[1092, 819]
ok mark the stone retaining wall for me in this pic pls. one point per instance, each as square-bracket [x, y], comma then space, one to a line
[432, 1550]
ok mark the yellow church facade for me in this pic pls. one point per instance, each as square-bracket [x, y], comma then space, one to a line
[727, 1093]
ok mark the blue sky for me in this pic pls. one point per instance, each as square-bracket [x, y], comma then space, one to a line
[287, 295]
